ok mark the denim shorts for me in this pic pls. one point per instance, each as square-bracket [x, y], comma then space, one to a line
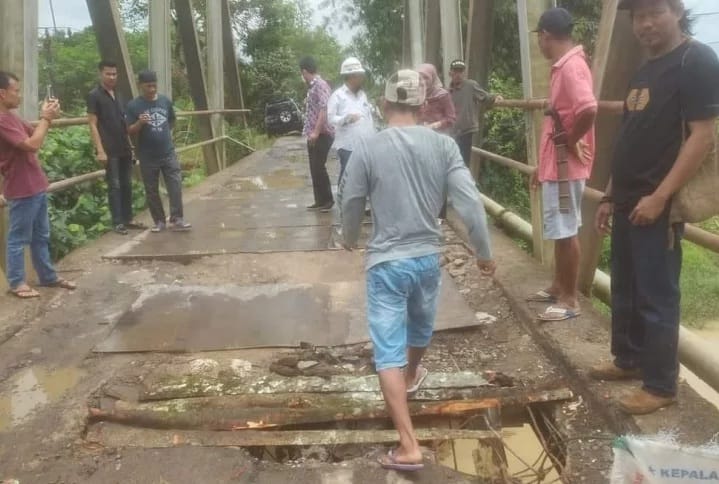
[559, 225]
[402, 300]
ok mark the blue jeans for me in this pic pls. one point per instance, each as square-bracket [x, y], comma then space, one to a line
[344, 156]
[646, 264]
[402, 298]
[29, 225]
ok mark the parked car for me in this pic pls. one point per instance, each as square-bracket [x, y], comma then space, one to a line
[283, 116]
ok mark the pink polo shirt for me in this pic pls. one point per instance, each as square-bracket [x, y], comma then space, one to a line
[571, 93]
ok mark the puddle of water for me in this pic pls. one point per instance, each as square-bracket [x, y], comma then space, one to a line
[460, 454]
[31, 389]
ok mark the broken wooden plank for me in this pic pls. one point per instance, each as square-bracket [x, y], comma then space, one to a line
[118, 436]
[228, 413]
[190, 386]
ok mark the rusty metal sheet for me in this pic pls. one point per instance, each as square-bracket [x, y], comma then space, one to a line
[200, 318]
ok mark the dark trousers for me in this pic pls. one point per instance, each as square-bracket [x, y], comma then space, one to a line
[646, 264]
[465, 146]
[344, 156]
[318, 169]
[118, 174]
[170, 170]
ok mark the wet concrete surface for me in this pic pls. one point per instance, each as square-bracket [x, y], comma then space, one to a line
[259, 213]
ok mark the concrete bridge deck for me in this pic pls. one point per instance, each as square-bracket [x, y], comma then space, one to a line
[154, 309]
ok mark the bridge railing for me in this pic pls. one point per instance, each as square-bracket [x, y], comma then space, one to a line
[692, 353]
[64, 184]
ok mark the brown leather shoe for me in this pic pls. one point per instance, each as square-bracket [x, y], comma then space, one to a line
[642, 402]
[611, 372]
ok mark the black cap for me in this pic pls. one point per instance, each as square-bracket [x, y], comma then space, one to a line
[457, 65]
[556, 21]
[147, 76]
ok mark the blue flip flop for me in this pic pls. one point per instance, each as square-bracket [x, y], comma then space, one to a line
[556, 313]
[391, 464]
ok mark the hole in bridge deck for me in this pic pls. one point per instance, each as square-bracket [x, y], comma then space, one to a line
[515, 453]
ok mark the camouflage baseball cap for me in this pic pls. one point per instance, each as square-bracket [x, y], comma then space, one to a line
[405, 87]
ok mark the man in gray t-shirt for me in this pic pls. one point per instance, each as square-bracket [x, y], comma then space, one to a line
[151, 117]
[468, 98]
[407, 171]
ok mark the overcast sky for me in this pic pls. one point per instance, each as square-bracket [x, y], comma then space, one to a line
[73, 14]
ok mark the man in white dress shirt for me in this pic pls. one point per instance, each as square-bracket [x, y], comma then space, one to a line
[349, 111]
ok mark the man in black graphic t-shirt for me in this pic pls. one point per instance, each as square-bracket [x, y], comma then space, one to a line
[677, 87]
[151, 117]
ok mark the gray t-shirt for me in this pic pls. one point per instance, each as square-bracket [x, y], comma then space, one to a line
[407, 172]
[155, 139]
[467, 100]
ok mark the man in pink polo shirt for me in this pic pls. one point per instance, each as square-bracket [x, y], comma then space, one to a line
[572, 98]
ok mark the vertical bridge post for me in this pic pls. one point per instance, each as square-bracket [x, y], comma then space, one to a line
[196, 76]
[160, 54]
[480, 32]
[106, 21]
[216, 73]
[19, 55]
[616, 57]
[535, 80]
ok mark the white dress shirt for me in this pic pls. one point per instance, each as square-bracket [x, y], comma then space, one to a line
[342, 104]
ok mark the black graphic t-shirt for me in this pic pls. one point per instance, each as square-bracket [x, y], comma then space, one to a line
[681, 86]
[155, 139]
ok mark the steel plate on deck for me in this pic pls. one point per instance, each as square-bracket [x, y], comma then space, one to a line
[201, 318]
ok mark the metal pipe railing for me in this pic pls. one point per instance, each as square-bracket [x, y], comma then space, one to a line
[61, 185]
[82, 121]
[692, 233]
[541, 104]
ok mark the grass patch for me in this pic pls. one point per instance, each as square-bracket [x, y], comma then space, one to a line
[700, 286]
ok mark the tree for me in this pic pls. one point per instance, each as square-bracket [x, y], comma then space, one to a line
[69, 64]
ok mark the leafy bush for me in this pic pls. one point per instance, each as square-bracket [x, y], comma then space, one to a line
[504, 135]
[81, 213]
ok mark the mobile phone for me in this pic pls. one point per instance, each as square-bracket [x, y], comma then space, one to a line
[49, 94]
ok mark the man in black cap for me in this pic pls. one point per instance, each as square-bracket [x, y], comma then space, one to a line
[151, 117]
[668, 129]
[563, 173]
[468, 97]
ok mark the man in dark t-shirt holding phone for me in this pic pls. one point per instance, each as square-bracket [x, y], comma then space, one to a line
[24, 187]
[151, 117]
[668, 129]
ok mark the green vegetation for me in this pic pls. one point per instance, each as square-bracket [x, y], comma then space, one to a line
[81, 213]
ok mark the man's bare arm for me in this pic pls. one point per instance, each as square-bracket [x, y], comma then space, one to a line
[50, 110]
[34, 142]
[95, 135]
[582, 124]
